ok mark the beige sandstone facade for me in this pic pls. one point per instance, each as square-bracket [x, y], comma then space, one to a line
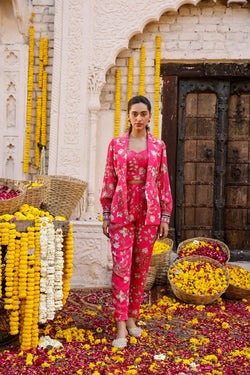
[88, 40]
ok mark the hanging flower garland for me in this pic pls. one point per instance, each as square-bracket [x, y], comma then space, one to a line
[117, 102]
[38, 268]
[43, 59]
[59, 263]
[142, 71]
[38, 131]
[0, 270]
[68, 265]
[130, 83]
[14, 314]
[157, 85]
[29, 100]
[41, 118]
[40, 71]
[44, 110]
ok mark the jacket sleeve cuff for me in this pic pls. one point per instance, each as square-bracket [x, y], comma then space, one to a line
[106, 215]
[165, 218]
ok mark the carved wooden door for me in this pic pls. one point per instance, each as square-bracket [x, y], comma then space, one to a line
[237, 184]
[213, 170]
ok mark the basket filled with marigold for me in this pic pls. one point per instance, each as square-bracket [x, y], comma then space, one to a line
[239, 284]
[203, 246]
[161, 260]
[198, 280]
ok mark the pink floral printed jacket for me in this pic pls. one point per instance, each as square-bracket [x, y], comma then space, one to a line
[157, 188]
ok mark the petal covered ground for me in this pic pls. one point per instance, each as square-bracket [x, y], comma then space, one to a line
[178, 338]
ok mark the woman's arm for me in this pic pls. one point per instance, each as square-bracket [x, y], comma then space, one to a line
[109, 183]
[165, 197]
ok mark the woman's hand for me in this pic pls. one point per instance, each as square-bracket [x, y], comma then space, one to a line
[163, 230]
[105, 227]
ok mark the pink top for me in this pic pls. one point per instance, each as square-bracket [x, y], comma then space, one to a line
[137, 164]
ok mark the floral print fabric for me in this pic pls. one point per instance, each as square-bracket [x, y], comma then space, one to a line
[114, 192]
[137, 165]
[131, 247]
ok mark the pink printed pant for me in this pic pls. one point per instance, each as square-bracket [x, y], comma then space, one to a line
[131, 246]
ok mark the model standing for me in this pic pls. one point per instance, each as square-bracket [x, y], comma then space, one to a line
[137, 204]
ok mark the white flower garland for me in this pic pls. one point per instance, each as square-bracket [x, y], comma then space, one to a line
[52, 261]
[59, 262]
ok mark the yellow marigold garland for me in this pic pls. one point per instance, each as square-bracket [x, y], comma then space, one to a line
[130, 84]
[142, 71]
[43, 59]
[27, 318]
[0, 269]
[44, 109]
[157, 85]
[37, 267]
[38, 131]
[14, 315]
[23, 273]
[68, 265]
[23, 265]
[40, 72]
[117, 102]
[29, 100]
[9, 271]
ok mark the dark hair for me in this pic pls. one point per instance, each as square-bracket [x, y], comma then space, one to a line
[139, 99]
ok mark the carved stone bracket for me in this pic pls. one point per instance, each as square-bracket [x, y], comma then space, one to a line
[96, 78]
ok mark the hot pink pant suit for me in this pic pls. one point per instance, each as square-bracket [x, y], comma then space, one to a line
[135, 211]
[132, 244]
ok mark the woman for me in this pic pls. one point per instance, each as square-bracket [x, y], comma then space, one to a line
[137, 204]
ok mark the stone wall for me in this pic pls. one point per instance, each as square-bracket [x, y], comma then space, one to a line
[43, 21]
[207, 32]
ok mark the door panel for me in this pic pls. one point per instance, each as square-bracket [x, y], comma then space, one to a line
[237, 186]
[213, 167]
[196, 158]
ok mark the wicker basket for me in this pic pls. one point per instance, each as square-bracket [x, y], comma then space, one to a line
[235, 292]
[150, 278]
[34, 195]
[192, 298]
[62, 194]
[222, 245]
[162, 263]
[9, 206]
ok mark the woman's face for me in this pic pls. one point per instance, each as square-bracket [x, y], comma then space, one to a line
[139, 116]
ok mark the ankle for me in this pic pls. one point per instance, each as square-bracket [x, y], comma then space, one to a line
[121, 329]
[131, 322]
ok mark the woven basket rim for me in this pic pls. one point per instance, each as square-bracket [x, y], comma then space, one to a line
[201, 258]
[62, 177]
[62, 193]
[19, 185]
[9, 206]
[222, 244]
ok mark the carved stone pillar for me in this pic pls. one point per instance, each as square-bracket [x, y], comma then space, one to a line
[95, 83]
